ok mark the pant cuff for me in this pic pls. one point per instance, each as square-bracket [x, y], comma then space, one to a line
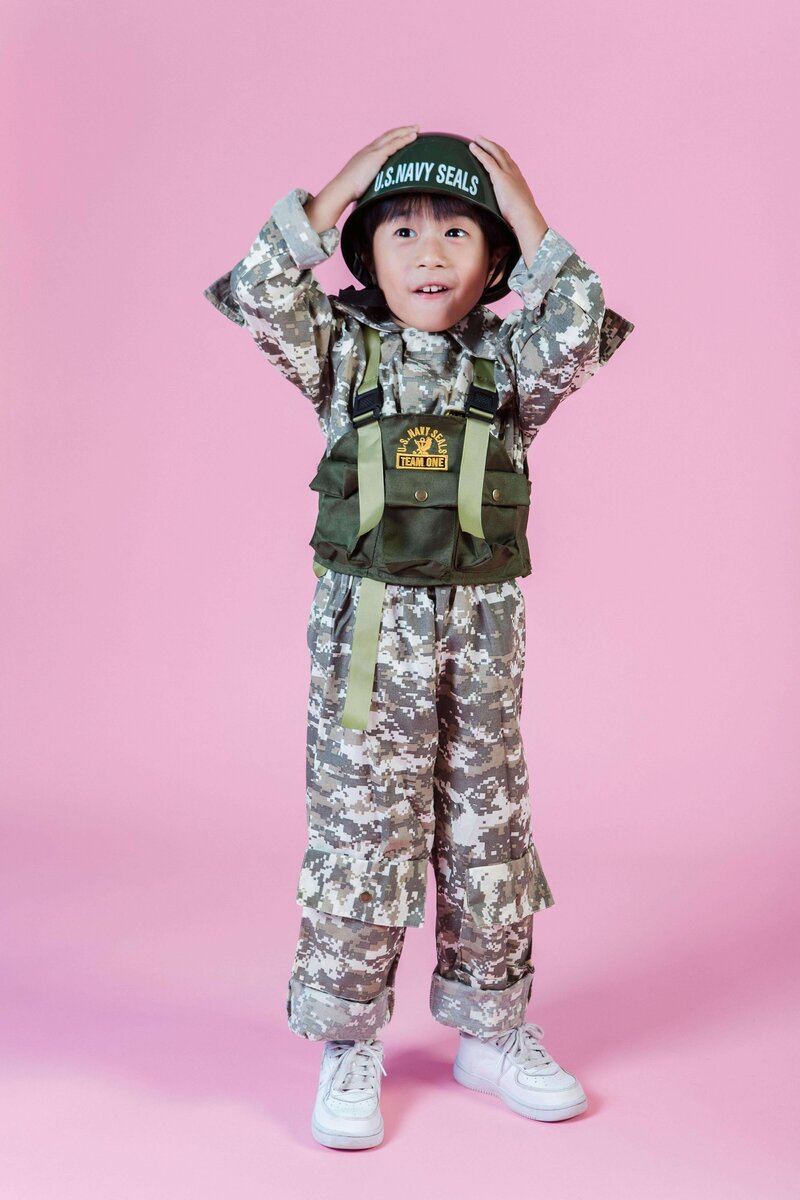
[479, 1011]
[315, 1014]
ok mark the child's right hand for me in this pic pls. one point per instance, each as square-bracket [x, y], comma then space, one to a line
[325, 209]
[358, 173]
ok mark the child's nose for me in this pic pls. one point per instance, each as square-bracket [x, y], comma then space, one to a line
[432, 251]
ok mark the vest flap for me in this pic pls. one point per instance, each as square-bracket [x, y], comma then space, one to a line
[335, 478]
[500, 488]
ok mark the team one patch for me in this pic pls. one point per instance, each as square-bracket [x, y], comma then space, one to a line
[422, 448]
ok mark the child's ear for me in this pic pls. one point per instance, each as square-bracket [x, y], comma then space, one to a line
[368, 261]
[497, 258]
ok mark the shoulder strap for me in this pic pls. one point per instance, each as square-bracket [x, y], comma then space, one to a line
[479, 410]
[368, 401]
[482, 397]
[366, 410]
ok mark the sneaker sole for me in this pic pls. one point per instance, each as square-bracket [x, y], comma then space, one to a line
[346, 1141]
[478, 1084]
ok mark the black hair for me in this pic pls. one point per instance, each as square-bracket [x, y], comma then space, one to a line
[441, 207]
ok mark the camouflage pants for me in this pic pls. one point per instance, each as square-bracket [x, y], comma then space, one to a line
[438, 776]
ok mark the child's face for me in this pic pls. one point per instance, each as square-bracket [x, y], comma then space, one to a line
[413, 251]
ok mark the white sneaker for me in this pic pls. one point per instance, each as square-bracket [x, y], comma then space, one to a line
[347, 1113]
[516, 1067]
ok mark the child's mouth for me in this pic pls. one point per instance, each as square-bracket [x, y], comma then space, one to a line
[431, 293]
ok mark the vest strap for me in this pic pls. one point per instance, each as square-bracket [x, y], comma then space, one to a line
[370, 476]
[479, 409]
[470, 478]
[366, 410]
[372, 343]
[364, 653]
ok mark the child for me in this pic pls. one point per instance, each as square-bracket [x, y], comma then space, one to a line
[417, 626]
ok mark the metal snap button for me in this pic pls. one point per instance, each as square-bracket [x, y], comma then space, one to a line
[420, 494]
[496, 494]
[365, 896]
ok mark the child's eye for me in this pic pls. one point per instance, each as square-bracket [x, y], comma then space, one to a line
[404, 229]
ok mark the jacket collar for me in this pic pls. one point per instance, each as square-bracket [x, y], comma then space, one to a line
[476, 331]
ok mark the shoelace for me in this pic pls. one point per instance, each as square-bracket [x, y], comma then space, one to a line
[356, 1065]
[523, 1045]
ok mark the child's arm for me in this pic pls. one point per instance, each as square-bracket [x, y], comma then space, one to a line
[563, 333]
[273, 293]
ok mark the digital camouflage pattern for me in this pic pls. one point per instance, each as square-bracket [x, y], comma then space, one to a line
[543, 351]
[439, 775]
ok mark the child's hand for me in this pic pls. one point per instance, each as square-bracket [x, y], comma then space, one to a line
[358, 173]
[325, 209]
[514, 197]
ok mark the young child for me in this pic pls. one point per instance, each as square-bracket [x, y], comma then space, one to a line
[428, 402]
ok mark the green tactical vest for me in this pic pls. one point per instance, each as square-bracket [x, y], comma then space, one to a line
[418, 500]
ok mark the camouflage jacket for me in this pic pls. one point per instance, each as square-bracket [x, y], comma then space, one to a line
[543, 351]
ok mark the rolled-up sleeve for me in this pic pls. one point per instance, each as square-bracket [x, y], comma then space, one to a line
[273, 293]
[563, 333]
[307, 247]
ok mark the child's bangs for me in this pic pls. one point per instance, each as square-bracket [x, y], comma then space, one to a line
[413, 204]
[409, 205]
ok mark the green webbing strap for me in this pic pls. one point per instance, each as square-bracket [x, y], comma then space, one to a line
[370, 476]
[483, 374]
[318, 568]
[372, 341]
[473, 454]
[366, 631]
[370, 446]
[364, 653]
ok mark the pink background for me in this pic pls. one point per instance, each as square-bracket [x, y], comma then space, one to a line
[157, 580]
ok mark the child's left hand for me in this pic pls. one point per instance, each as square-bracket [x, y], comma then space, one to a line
[514, 197]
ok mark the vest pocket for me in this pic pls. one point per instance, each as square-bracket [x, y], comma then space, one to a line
[497, 547]
[504, 515]
[419, 539]
[335, 537]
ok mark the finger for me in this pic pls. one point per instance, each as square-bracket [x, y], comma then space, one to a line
[493, 146]
[495, 149]
[397, 132]
[485, 157]
[389, 146]
[488, 158]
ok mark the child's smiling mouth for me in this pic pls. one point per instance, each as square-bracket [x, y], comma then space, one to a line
[431, 291]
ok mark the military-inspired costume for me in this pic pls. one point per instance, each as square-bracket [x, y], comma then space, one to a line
[414, 753]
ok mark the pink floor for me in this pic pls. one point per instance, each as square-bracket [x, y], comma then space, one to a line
[145, 1052]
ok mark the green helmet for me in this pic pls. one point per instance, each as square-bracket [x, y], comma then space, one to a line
[433, 162]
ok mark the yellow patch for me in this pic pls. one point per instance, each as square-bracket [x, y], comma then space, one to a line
[422, 449]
